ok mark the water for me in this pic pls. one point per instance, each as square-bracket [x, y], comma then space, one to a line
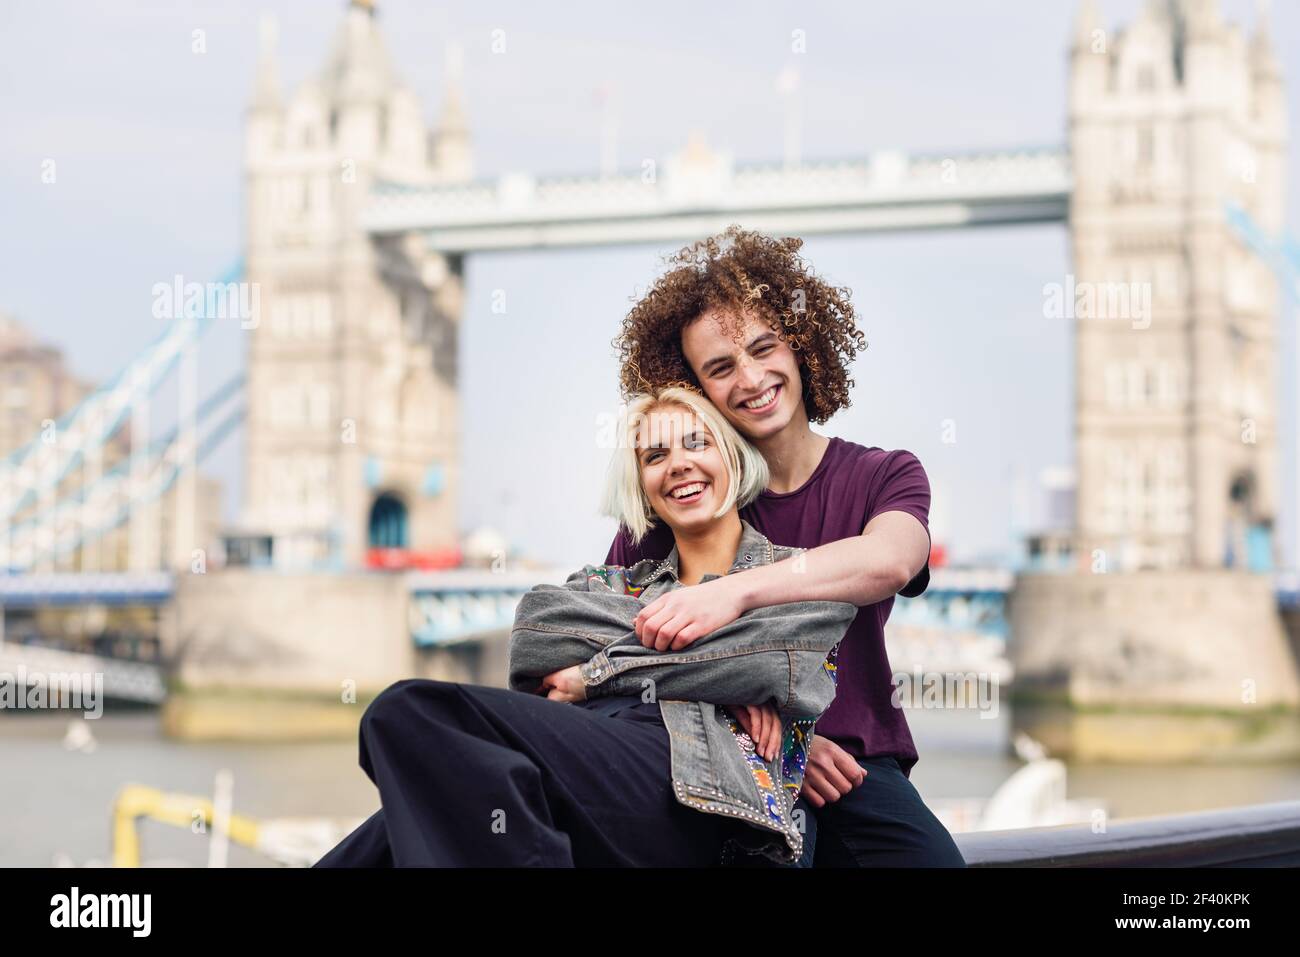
[964, 755]
[56, 804]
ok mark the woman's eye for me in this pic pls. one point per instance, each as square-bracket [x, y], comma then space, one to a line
[763, 350]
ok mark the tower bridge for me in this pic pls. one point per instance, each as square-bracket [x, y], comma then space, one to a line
[359, 218]
[700, 193]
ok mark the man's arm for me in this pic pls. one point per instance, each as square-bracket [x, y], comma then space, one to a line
[868, 568]
[889, 553]
[875, 565]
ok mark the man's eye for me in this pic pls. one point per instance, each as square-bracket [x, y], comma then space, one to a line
[719, 370]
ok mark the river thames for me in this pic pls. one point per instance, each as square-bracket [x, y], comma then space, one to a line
[57, 809]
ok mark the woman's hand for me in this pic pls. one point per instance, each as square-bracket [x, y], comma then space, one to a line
[678, 617]
[565, 685]
[763, 725]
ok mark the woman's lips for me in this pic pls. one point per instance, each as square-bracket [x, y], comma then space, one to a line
[690, 499]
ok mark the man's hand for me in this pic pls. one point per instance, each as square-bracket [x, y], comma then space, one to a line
[676, 618]
[831, 772]
[565, 685]
[763, 725]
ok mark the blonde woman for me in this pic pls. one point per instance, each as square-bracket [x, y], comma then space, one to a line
[604, 751]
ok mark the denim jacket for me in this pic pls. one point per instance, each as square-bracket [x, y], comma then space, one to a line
[780, 653]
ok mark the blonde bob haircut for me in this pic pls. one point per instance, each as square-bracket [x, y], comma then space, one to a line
[625, 498]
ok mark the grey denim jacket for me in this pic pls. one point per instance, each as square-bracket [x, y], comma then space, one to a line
[780, 653]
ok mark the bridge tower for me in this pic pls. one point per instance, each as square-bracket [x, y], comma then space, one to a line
[352, 428]
[1169, 600]
[1175, 404]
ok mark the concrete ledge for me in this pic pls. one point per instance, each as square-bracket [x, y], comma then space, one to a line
[1260, 835]
[211, 715]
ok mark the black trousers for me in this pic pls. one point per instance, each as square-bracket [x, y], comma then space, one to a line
[482, 776]
[881, 823]
[475, 776]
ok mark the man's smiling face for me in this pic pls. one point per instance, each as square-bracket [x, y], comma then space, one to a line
[753, 378]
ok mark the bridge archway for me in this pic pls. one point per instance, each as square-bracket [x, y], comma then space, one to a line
[388, 526]
[1248, 535]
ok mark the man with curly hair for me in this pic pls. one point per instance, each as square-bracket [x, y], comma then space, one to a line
[742, 318]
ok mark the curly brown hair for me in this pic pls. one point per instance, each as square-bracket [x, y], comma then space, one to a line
[744, 271]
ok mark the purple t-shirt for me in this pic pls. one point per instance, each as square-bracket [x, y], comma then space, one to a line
[851, 485]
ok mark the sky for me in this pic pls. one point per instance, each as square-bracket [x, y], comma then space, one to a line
[147, 137]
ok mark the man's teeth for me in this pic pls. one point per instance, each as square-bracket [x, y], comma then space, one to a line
[762, 400]
[687, 490]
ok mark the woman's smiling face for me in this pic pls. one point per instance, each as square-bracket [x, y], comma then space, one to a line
[682, 469]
